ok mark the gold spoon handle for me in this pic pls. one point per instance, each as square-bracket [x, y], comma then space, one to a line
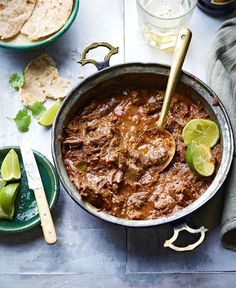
[181, 48]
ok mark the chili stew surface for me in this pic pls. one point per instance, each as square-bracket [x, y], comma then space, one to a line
[103, 159]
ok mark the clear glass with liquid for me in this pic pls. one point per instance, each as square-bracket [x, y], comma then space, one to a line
[161, 20]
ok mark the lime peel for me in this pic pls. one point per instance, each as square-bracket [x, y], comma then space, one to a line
[7, 200]
[10, 169]
[199, 159]
[202, 131]
[49, 115]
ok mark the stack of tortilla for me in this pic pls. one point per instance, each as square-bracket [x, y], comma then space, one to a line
[32, 20]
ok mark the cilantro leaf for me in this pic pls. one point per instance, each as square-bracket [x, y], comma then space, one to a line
[37, 109]
[16, 81]
[23, 120]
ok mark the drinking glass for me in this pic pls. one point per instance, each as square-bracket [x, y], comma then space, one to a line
[161, 20]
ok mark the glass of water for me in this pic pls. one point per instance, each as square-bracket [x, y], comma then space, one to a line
[161, 20]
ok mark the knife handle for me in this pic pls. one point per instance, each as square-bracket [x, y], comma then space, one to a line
[47, 224]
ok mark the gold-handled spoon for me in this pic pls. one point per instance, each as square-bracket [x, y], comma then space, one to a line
[157, 145]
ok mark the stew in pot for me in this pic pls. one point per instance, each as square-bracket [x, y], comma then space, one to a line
[104, 153]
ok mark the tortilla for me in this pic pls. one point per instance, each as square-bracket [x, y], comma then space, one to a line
[19, 39]
[48, 17]
[42, 81]
[13, 15]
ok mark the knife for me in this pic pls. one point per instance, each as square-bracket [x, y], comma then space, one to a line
[35, 183]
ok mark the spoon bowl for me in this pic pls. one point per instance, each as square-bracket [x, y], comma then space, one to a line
[156, 146]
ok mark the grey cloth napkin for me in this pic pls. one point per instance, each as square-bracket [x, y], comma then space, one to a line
[221, 77]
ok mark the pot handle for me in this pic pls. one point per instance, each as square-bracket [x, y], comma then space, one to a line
[170, 242]
[100, 65]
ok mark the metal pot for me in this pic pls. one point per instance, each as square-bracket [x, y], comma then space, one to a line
[144, 75]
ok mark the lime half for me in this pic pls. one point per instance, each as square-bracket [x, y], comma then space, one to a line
[49, 115]
[10, 169]
[202, 131]
[7, 199]
[199, 159]
[2, 183]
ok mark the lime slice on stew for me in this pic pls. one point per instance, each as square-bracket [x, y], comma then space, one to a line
[10, 169]
[199, 159]
[202, 131]
[7, 199]
[2, 183]
[48, 116]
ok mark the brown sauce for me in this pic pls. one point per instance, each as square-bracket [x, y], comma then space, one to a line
[103, 152]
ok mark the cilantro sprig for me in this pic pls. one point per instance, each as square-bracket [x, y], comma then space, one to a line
[37, 109]
[24, 116]
[23, 120]
[16, 81]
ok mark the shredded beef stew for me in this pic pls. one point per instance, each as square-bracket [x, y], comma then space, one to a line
[101, 159]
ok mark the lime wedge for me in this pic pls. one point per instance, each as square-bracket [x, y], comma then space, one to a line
[2, 183]
[10, 169]
[49, 115]
[202, 131]
[7, 199]
[199, 159]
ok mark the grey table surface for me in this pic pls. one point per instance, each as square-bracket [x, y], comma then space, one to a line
[92, 253]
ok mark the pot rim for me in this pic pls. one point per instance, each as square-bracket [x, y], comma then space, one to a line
[206, 196]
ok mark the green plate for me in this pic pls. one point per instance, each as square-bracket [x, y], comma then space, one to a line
[48, 40]
[26, 215]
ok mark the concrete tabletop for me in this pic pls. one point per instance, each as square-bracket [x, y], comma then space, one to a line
[90, 252]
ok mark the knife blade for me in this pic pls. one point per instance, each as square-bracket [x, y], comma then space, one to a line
[31, 167]
[35, 183]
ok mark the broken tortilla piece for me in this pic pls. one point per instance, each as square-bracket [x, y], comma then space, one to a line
[42, 81]
[48, 17]
[13, 15]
